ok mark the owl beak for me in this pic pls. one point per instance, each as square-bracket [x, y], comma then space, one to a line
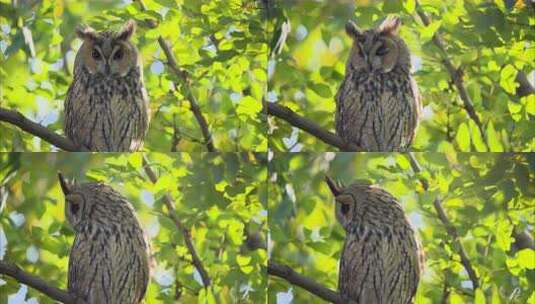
[64, 184]
[107, 69]
[335, 189]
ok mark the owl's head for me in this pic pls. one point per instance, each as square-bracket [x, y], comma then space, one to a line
[363, 204]
[378, 50]
[107, 53]
[93, 202]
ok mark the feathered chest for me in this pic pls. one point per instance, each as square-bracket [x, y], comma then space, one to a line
[377, 111]
[106, 113]
[113, 92]
[375, 85]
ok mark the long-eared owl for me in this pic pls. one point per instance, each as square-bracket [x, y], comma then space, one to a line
[109, 259]
[107, 106]
[382, 259]
[378, 104]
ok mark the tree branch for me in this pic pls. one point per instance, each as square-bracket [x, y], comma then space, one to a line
[452, 231]
[35, 282]
[17, 119]
[182, 76]
[523, 239]
[308, 126]
[194, 105]
[455, 74]
[196, 261]
[288, 274]
[524, 86]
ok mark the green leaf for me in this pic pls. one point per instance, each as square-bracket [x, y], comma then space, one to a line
[531, 299]
[135, 160]
[529, 102]
[243, 262]
[427, 32]
[235, 232]
[495, 295]
[463, 137]
[503, 235]
[526, 258]
[495, 144]
[409, 6]
[507, 79]
[248, 108]
[515, 109]
[479, 297]
[206, 296]
[321, 89]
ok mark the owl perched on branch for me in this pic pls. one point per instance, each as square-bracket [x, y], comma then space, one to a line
[109, 260]
[106, 108]
[378, 104]
[382, 259]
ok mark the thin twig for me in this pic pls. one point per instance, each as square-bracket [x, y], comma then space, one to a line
[452, 231]
[455, 74]
[17, 119]
[196, 261]
[308, 126]
[194, 105]
[23, 277]
[288, 274]
[182, 76]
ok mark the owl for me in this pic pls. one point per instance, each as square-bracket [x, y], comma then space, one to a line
[107, 106]
[378, 104]
[381, 260]
[109, 260]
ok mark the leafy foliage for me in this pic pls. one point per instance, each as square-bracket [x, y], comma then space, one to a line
[220, 44]
[488, 41]
[485, 196]
[221, 198]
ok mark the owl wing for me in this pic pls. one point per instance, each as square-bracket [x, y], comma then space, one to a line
[141, 112]
[361, 270]
[402, 261]
[142, 253]
[90, 269]
[77, 112]
[417, 109]
[398, 117]
[378, 269]
[349, 124]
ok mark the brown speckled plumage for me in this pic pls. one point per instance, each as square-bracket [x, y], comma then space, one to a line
[378, 104]
[106, 108]
[382, 259]
[109, 260]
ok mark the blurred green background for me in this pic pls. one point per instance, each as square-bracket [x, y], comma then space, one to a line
[221, 198]
[485, 196]
[489, 41]
[221, 44]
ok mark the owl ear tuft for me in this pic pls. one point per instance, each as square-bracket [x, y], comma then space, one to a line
[352, 29]
[127, 31]
[64, 183]
[86, 32]
[333, 186]
[390, 26]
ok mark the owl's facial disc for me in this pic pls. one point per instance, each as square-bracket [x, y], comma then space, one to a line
[73, 208]
[344, 209]
[345, 201]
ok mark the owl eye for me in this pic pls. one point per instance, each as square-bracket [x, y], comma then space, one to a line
[345, 208]
[95, 54]
[118, 55]
[74, 207]
[381, 51]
